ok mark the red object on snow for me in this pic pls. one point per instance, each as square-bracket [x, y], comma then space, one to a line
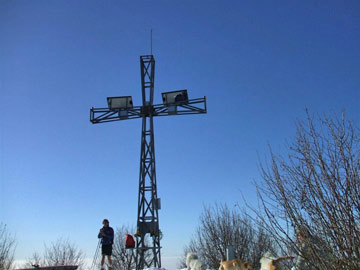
[129, 241]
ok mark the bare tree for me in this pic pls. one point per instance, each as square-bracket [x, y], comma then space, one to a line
[59, 253]
[315, 189]
[124, 259]
[220, 227]
[7, 248]
[34, 261]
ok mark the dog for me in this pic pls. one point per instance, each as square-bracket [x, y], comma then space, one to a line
[235, 265]
[193, 262]
[268, 262]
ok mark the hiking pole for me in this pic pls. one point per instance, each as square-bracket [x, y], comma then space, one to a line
[96, 256]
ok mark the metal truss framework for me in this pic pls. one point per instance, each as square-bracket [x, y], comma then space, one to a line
[148, 201]
[102, 115]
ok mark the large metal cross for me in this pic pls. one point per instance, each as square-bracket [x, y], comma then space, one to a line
[121, 108]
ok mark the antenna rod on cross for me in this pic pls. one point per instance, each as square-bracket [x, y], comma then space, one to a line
[151, 41]
[122, 108]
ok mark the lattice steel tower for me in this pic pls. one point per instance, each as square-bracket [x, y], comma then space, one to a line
[121, 108]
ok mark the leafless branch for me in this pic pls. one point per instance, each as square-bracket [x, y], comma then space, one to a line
[7, 248]
[316, 187]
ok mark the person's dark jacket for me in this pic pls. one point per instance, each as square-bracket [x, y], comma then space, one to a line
[108, 238]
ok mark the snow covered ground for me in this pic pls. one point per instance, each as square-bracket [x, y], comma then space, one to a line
[154, 268]
[166, 269]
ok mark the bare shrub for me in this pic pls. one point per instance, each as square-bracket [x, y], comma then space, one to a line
[316, 188]
[34, 261]
[7, 248]
[59, 253]
[62, 252]
[220, 227]
[124, 259]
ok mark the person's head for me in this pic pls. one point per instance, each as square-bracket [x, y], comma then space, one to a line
[105, 222]
[302, 233]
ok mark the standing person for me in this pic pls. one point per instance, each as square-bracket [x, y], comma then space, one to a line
[107, 238]
[302, 238]
[312, 248]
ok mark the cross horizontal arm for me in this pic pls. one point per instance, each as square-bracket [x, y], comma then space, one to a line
[103, 115]
[192, 106]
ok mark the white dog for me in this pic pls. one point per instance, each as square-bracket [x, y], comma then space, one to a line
[192, 262]
[268, 262]
[265, 260]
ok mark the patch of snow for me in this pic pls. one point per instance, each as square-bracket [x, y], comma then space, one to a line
[152, 268]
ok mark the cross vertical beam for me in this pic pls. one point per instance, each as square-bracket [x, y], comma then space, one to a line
[148, 203]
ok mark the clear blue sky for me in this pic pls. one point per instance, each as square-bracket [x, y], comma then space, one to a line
[260, 64]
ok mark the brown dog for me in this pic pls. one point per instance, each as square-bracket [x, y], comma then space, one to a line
[268, 262]
[235, 265]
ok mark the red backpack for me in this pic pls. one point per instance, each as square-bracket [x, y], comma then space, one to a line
[129, 241]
